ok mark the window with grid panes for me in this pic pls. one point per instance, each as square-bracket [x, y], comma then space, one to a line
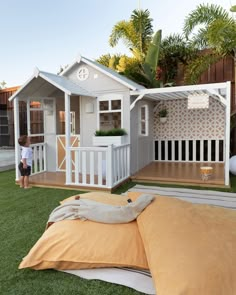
[110, 114]
[3, 119]
[144, 120]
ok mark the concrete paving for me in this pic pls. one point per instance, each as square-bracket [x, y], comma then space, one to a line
[7, 159]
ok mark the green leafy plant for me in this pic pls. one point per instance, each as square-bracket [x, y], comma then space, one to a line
[111, 132]
[163, 113]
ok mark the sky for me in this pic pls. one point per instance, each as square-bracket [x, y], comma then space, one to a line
[48, 34]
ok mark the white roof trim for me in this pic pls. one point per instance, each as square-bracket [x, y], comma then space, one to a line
[68, 68]
[55, 84]
[36, 72]
[180, 92]
[21, 88]
[69, 87]
[181, 88]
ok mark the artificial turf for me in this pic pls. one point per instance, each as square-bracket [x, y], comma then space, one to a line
[23, 216]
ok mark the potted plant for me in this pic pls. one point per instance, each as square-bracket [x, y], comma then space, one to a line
[163, 115]
[116, 136]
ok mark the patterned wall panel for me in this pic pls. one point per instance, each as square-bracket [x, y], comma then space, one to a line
[190, 124]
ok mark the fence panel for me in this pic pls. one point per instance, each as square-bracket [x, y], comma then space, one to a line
[39, 158]
[186, 150]
[100, 166]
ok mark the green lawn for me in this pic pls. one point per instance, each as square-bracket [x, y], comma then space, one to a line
[23, 217]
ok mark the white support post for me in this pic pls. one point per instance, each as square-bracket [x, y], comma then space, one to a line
[209, 150]
[109, 161]
[217, 148]
[100, 168]
[17, 135]
[67, 141]
[201, 151]
[180, 150]
[135, 101]
[128, 161]
[91, 168]
[194, 150]
[187, 150]
[172, 150]
[76, 167]
[159, 150]
[227, 131]
[45, 168]
[166, 150]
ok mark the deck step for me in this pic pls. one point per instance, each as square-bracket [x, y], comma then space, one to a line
[222, 199]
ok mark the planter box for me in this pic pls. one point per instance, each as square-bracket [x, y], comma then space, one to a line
[163, 119]
[108, 140]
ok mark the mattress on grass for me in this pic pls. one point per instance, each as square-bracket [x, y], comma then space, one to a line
[188, 248]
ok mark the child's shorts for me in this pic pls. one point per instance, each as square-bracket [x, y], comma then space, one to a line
[24, 171]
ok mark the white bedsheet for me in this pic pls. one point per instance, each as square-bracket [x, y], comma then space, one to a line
[136, 279]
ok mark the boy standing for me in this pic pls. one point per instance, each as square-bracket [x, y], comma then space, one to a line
[26, 161]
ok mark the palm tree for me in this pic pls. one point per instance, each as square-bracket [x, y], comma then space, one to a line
[175, 50]
[110, 61]
[150, 66]
[217, 32]
[135, 33]
[233, 8]
[143, 71]
[143, 27]
[219, 35]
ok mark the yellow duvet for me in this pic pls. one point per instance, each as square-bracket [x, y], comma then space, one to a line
[190, 249]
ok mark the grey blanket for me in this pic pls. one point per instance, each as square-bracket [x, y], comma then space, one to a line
[99, 212]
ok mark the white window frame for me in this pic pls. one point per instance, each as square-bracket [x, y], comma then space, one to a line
[72, 122]
[41, 108]
[145, 120]
[110, 98]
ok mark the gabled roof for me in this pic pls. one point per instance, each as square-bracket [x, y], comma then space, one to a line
[59, 82]
[107, 71]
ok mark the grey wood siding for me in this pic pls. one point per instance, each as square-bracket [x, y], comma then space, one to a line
[97, 82]
[142, 147]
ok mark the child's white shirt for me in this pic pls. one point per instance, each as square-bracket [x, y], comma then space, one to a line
[26, 153]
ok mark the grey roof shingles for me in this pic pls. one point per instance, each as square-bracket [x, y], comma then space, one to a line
[64, 84]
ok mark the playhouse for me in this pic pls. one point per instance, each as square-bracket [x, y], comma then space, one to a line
[87, 96]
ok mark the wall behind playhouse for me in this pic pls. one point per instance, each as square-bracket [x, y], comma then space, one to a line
[184, 123]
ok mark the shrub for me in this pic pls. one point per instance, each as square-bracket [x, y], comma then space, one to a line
[111, 132]
[163, 113]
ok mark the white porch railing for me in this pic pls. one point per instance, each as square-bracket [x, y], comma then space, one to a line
[206, 150]
[39, 158]
[103, 167]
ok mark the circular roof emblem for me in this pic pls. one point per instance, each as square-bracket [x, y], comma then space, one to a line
[82, 73]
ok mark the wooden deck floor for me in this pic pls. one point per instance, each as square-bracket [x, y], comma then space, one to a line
[155, 172]
[184, 173]
[57, 180]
